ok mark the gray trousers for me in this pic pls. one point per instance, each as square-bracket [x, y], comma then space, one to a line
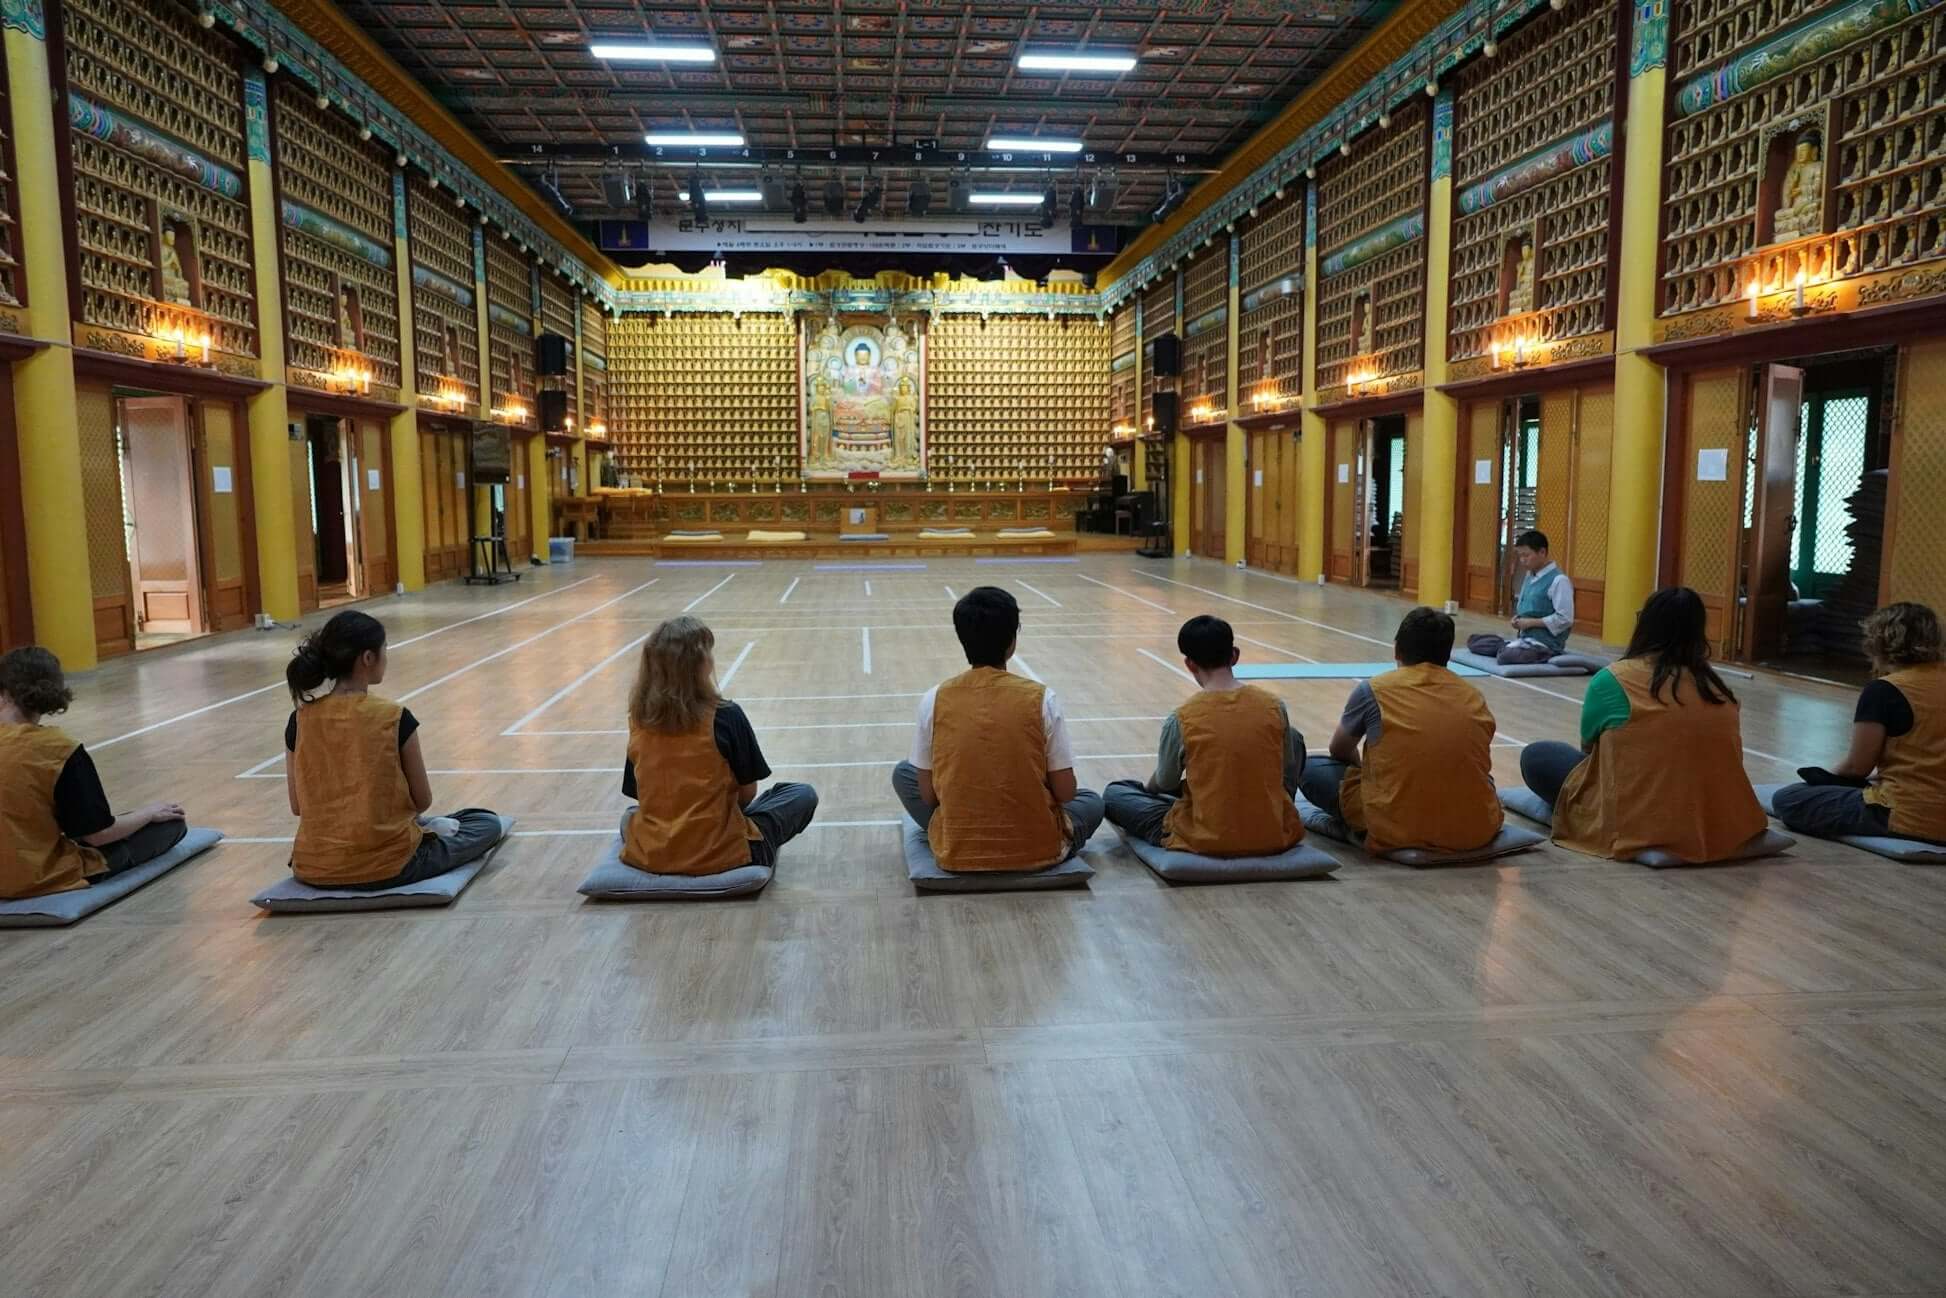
[1830, 811]
[478, 832]
[1130, 805]
[1084, 810]
[780, 813]
[1321, 782]
[1508, 653]
[1545, 767]
[143, 846]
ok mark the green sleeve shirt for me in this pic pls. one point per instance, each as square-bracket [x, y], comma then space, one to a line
[1604, 707]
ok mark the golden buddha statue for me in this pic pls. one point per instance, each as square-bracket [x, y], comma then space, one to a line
[1800, 201]
[1520, 294]
[175, 284]
[905, 425]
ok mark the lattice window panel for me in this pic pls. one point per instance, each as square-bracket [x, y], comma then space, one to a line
[1880, 105]
[509, 285]
[1158, 318]
[1383, 180]
[594, 361]
[1270, 260]
[1553, 79]
[1206, 288]
[1703, 33]
[325, 167]
[705, 390]
[1016, 398]
[155, 66]
[446, 331]
[1122, 396]
[13, 285]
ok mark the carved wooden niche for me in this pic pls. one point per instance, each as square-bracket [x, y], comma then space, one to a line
[1795, 181]
[351, 317]
[178, 267]
[1363, 326]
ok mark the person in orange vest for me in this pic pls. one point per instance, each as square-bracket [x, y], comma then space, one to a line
[1660, 765]
[1425, 777]
[356, 776]
[694, 763]
[991, 775]
[57, 831]
[1898, 731]
[1227, 765]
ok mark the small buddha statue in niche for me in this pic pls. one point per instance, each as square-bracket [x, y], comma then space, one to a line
[1800, 199]
[347, 319]
[175, 282]
[1363, 333]
[1520, 293]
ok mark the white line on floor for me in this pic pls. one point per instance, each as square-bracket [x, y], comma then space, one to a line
[1265, 608]
[802, 725]
[1027, 671]
[1165, 663]
[1277, 648]
[1131, 594]
[1043, 594]
[826, 698]
[949, 593]
[788, 589]
[711, 591]
[730, 675]
[572, 686]
[238, 698]
[868, 586]
[866, 633]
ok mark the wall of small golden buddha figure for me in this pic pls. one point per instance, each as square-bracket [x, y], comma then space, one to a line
[1371, 214]
[341, 297]
[164, 242]
[594, 363]
[446, 330]
[1206, 334]
[1012, 399]
[557, 317]
[1532, 134]
[708, 398]
[1270, 330]
[1122, 365]
[13, 285]
[1823, 153]
[1158, 318]
[510, 326]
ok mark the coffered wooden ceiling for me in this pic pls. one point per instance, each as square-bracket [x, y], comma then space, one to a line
[864, 73]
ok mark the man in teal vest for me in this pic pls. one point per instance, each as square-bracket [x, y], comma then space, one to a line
[1543, 611]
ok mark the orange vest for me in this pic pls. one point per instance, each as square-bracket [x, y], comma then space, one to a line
[1427, 781]
[36, 858]
[989, 768]
[358, 824]
[1912, 770]
[1233, 751]
[1670, 777]
[689, 820]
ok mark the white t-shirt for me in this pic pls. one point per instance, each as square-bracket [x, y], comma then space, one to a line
[1060, 749]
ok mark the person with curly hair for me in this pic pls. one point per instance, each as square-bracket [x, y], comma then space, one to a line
[57, 830]
[1898, 730]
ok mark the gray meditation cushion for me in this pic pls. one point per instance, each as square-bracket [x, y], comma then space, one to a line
[1525, 802]
[922, 867]
[1510, 839]
[1912, 851]
[1301, 861]
[1558, 665]
[289, 897]
[57, 910]
[614, 879]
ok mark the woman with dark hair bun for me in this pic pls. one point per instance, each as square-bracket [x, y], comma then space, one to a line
[57, 832]
[1660, 767]
[356, 777]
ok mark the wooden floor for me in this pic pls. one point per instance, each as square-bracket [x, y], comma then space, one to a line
[1556, 1076]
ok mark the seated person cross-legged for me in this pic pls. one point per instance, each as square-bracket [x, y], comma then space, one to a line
[1228, 763]
[1425, 778]
[1660, 767]
[694, 763]
[356, 775]
[57, 832]
[1898, 731]
[1543, 610]
[991, 777]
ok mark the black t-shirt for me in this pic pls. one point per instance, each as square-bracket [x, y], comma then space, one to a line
[407, 724]
[734, 739]
[1885, 703]
[80, 803]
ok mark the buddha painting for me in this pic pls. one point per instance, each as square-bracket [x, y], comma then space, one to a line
[176, 287]
[1520, 287]
[820, 449]
[1800, 199]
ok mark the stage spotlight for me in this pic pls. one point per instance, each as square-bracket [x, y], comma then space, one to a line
[958, 194]
[918, 200]
[617, 189]
[800, 203]
[1173, 192]
[834, 197]
[1049, 202]
[551, 185]
[1077, 206]
[698, 203]
[868, 205]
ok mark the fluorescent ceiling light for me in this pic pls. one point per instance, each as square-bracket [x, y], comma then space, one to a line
[1056, 62]
[654, 53]
[1031, 144]
[1005, 200]
[694, 139]
[725, 195]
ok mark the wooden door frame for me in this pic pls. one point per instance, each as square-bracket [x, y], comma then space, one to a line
[1751, 556]
[197, 550]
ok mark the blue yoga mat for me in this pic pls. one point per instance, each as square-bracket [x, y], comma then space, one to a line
[1325, 671]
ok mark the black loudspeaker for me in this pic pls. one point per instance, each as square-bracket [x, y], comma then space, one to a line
[1168, 356]
[1163, 406]
[554, 410]
[550, 354]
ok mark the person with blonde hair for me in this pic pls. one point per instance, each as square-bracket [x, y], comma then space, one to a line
[693, 765]
[1898, 730]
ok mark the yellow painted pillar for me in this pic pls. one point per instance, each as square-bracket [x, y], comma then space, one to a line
[578, 452]
[269, 410]
[44, 406]
[482, 506]
[1180, 457]
[541, 516]
[1236, 514]
[1635, 482]
[408, 492]
[1439, 450]
[1139, 465]
[1313, 454]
